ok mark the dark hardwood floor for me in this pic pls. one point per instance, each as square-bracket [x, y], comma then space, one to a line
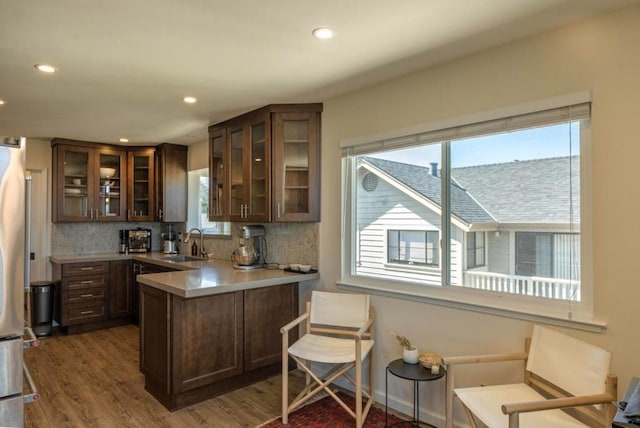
[93, 380]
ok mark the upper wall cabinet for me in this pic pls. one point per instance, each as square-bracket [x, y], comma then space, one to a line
[141, 187]
[89, 182]
[171, 183]
[101, 182]
[265, 165]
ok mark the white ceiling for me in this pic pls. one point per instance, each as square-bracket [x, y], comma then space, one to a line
[124, 65]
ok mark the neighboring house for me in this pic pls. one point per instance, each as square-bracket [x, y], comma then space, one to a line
[530, 246]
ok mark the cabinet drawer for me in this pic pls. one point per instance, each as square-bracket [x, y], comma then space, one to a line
[80, 313]
[79, 284]
[85, 295]
[88, 268]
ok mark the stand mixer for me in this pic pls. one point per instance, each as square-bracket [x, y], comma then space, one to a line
[251, 253]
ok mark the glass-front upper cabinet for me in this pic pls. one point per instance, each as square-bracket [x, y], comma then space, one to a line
[296, 163]
[141, 203]
[249, 168]
[217, 175]
[88, 183]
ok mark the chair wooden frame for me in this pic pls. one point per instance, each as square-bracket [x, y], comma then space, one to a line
[583, 408]
[323, 382]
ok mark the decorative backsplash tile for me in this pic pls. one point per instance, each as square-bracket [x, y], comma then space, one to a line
[286, 242]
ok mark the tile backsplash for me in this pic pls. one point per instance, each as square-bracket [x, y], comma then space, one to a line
[286, 242]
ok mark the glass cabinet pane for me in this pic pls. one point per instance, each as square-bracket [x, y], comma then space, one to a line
[237, 184]
[110, 180]
[76, 196]
[141, 186]
[258, 170]
[295, 165]
[216, 174]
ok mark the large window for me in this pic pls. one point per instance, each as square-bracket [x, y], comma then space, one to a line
[492, 207]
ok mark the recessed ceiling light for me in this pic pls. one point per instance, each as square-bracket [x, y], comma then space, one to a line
[45, 68]
[1, 102]
[124, 140]
[189, 100]
[322, 33]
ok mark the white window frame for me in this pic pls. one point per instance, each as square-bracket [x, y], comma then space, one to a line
[577, 315]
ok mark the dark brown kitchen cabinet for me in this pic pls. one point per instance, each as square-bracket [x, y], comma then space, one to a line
[265, 165]
[89, 182]
[171, 183]
[93, 295]
[121, 289]
[141, 268]
[141, 185]
[296, 166]
[194, 349]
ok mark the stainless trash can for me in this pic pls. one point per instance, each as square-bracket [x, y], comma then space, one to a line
[42, 307]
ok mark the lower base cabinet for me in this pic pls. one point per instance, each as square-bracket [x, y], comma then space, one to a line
[194, 349]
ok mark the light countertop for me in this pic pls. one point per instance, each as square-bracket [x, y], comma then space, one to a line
[197, 278]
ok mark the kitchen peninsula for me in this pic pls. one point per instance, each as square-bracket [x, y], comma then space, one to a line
[206, 328]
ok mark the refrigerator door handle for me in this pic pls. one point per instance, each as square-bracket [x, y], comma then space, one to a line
[27, 233]
[33, 395]
[31, 341]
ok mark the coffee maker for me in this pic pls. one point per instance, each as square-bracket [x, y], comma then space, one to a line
[252, 252]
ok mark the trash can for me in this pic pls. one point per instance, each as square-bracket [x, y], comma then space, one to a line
[42, 307]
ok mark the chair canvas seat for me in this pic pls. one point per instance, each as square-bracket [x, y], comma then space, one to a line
[324, 349]
[485, 402]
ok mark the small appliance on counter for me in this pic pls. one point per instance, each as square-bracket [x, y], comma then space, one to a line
[136, 240]
[169, 241]
[252, 252]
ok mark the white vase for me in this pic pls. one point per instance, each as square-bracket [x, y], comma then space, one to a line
[410, 356]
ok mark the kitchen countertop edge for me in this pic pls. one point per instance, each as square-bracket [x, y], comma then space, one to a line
[196, 278]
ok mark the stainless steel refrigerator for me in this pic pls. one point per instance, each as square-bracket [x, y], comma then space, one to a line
[14, 282]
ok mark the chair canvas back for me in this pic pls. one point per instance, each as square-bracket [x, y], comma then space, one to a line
[339, 309]
[575, 366]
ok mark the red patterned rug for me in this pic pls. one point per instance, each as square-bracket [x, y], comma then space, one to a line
[327, 413]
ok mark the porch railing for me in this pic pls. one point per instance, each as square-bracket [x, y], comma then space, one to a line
[552, 288]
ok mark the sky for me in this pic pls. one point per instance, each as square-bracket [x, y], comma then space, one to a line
[535, 143]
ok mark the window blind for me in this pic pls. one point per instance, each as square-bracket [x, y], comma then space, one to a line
[505, 124]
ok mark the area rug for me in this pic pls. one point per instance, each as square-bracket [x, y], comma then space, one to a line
[327, 413]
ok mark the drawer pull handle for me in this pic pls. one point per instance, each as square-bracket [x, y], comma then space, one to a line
[86, 282]
[86, 295]
[86, 312]
[86, 268]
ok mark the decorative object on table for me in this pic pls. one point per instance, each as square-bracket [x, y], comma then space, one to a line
[431, 361]
[326, 412]
[409, 351]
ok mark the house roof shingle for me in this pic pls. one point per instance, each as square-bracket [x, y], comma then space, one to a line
[532, 191]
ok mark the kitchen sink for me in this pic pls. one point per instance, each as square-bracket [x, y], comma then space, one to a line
[182, 259]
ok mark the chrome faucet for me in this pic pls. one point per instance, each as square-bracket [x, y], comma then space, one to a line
[202, 254]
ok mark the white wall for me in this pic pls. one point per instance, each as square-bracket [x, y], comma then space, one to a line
[600, 55]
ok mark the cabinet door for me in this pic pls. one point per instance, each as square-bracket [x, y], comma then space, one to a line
[141, 188]
[171, 183]
[110, 203]
[296, 163]
[73, 183]
[209, 328]
[120, 289]
[217, 175]
[266, 310]
[258, 167]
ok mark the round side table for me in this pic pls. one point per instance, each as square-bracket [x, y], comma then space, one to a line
[412, 372]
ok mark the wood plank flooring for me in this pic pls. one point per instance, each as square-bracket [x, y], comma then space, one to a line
[93, 380]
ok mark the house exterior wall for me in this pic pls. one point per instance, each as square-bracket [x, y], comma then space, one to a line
[599, 55]
[387, 206]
